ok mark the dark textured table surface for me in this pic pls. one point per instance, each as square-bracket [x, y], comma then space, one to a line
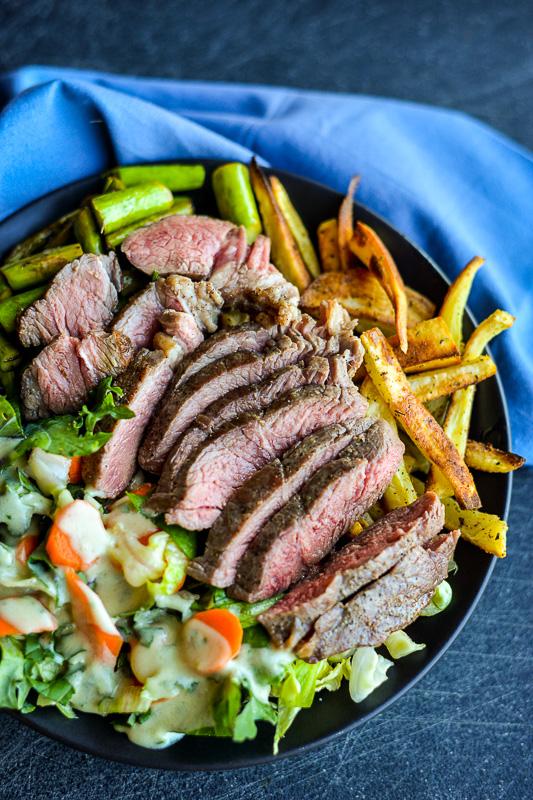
[465, 731]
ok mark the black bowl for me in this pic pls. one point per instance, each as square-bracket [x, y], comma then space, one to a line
[333, 713]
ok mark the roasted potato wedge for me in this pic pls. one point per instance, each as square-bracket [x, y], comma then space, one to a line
[453, 307]
[345, 229]
[457, 421]
[296, 227]
[429, 346]
[441, 382]
[369, 249]
[285, 253]
[328, 245]
[363, 297]
[486, 458]
[389, 379]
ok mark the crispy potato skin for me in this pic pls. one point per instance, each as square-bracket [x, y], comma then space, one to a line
[328, 245]
[486, 458]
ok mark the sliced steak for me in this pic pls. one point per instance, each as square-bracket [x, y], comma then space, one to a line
[313, 520]
[110, 469]
[59, 379]
[376, 550]
[198, 298]
[180, 406]
[250, 279]
[81, 299]
[183, 244]
[247, 398]
[139, 319]
[182, 326]
[257, 500]
[386, 605]
[202, 487]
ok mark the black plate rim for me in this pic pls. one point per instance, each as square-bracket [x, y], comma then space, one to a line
[211, 766]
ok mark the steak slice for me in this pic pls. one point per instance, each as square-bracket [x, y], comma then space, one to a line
[139, 319]
[248, 398]
[183, 244]
[257, 500]
[59, 379]
[386, 605]
[250, 279]
[80, 299]
[180, 406]
[313, 520]
[202, 487]
[198, 298]
[110, 470]
[376, 550]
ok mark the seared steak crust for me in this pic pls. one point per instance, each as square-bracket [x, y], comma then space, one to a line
[384, 606]
[315, 518]
[204, 484]
[257, 500]
[371, 554]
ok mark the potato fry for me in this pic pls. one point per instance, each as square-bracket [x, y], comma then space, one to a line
[401, 491]
[296, 226]
[458, 416]
[369, 248]
[362, 296]
[328, 245]
[387, 375]
[486, 458]
[486, 531]
[429, 346]
[285, 253]
[453, 307]
[441, 382]
[345, 228]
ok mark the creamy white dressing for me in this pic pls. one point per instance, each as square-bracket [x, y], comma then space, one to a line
[26, 614]
[50, 471]
[83, 525]
[117, 595]
[93, 681]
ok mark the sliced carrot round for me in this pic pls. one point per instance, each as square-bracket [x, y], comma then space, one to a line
[24, 614]
[211, 639]
[25, 547]
[74, 472]
[77, 537]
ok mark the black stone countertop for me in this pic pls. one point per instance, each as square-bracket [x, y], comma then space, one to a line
[465, 731]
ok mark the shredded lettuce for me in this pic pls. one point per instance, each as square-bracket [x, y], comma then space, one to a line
[19, 501]
[400, 644]
[369, 670]
[440, 600]
[246, 612]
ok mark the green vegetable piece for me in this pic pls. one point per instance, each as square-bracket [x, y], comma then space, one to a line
[39, 269]
[47, 237]
[440, 600]
[400, 644]
[117, 209]
[10, 357]
[10, 424]
[14, 687]
[7, 379]
[181, 205]
[133, 280]
[86, 232]
[113, 184]
[178, 177]
[5, 291]
[235, 198]
[12, 308]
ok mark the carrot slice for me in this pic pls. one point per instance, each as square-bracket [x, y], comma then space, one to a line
[6, 629]
[25, 547]
[74, 472]
[346, 225]
[211, 639]
[143, 489]
[77, 536]
[92, 619]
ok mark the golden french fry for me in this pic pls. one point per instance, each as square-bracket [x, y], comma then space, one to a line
[459, 413]
[454, 304]
[369, 248]
[296, 226]
[384, 370]
[441, 382]
[285, 253]
[362, 296]
[429, 346]
[401, 491]
[345, 229]
[328, 245]
[486, 458]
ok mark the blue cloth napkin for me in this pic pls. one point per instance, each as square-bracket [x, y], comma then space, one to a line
[454, 186]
